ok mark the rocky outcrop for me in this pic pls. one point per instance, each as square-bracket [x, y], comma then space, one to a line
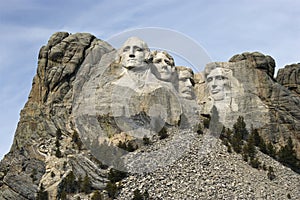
[46, 121]
[258, 60]
[254, 94]
[213, 174]
[85, 110]
[289, 77]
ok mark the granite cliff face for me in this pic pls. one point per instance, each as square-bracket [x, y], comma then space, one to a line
[82, 108]
[47, 118]
[289, 77]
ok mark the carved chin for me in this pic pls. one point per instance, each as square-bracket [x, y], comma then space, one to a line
[218, 96]
[165, 77]
[187, 94]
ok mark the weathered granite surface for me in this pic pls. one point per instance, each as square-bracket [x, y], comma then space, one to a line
[254, 94]
[84, 102]
[289, 76]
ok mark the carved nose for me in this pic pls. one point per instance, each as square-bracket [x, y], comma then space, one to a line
[188, 83]
[131, 55]
[131, 52]
[214, 82]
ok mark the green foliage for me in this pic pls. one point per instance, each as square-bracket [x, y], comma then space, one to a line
[287, 156]
[199, 129]
[254, 162]
[68, 184]
[236, 143]
[58, 153]
[271, 151]
[249, 147]
[65, 165]
[76, 140]
[127, 146]
[96, 196]
[116, 175]
[225, 136]
[206, 122]
[137, 195]
[239, 129]
[112, 189]
[259, 141]
[146, 140]
[57, 143]
[264, 167]
[146, 195]
[33, 174]
[240, 133]
[58, 134]
[86, 185]
[262, 146]
[256, 137]
[63, 195]
[163, 133]
[42, 194]
[271, 174]
[113, 177]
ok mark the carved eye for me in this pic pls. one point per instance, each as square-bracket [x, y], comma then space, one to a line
[209, 79]
[138, 49]
[157, 61]
[220, 77]
[125, 49]
[167, 62]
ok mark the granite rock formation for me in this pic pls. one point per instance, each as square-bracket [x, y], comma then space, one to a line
[289, 77]
[87, 100]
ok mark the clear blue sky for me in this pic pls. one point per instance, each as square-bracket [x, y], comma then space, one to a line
[223, 28]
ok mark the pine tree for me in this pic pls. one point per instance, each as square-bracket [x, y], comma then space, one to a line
[69, 184]
[256, 137]
[111, 189]
[137, 195]
[42, 194]
[58, 134]
[58, 153]
[262, 146]
[86, 185]
[96, 196]
[239, 133]
[236, 143]
[76, 140]
[271, 174]
[116, 175]
[239, 128]
[271, 150]
[163, 133]
[250, 146]
[287, 155]
[146, 140]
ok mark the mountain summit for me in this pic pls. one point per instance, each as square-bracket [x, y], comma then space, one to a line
[106, 123]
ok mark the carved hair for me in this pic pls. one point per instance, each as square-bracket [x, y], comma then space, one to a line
[143, 44]
[154, 53]
[182, 68]
[211, 66]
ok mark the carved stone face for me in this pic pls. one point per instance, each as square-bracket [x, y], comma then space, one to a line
[217, 83]
[185, 85]
[164, 67]
[133, 53]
